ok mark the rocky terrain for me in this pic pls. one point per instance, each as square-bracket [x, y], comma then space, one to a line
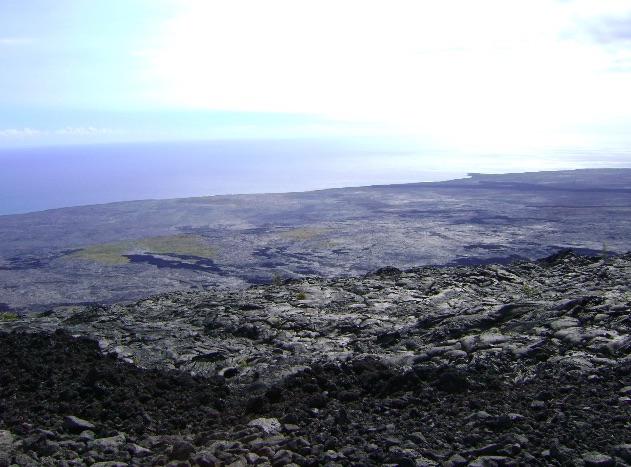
[122, 252]
[525, 363]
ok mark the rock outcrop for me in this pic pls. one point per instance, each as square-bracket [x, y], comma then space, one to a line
[527, 363]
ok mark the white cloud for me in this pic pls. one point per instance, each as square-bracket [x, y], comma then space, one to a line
[33, 133]
[19, 133]
[15, 40]
[83, 131]
[466, 73]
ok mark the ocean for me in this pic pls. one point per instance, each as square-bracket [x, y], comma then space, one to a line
[34, 179]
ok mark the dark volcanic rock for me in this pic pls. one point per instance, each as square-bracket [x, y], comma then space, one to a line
[527, 364]
[42, 377]
[77, 424]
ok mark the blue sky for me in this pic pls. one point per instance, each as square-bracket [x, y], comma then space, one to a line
[495, 76]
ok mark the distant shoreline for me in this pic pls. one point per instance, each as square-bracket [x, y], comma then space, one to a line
[471, 177]
[38, 179]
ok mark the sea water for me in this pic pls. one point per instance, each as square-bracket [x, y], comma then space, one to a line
[33, 179]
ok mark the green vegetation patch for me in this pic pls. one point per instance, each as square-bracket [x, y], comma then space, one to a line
[114, 253]
[105, 253]
[8, 316]
[303, 233]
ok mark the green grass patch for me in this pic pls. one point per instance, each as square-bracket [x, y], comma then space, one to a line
[113, 254]
[303, 233]
[8, 316]
[106, 253]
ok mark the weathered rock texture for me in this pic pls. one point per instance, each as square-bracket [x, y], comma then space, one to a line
[122, 252]
[492, 365]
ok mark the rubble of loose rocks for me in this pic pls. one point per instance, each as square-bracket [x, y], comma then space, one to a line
[521, 364]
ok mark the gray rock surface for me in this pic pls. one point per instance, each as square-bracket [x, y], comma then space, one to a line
[126, 251]
[519, 364]
[448, 315]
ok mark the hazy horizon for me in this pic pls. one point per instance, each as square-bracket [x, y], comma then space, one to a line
[385, 91]
[62, 176]
[51, 177]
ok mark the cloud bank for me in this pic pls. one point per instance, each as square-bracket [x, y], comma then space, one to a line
[490, 75]
[31, 133]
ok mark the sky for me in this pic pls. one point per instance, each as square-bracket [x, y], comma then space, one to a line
[490, 76]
